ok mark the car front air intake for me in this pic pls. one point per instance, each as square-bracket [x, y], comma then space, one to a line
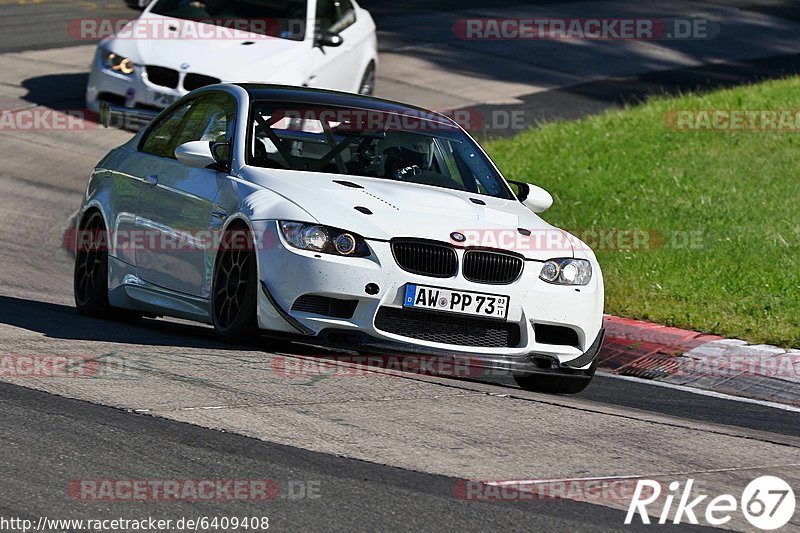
[425, 258]
[497, 268]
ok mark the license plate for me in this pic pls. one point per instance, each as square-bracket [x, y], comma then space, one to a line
[461, 302]
[164, 99]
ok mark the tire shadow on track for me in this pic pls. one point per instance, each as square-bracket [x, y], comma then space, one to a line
[57, 321]
[57, 91]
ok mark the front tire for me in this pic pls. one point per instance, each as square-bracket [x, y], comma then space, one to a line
[554, 383]
[90, 279]
[235, 289]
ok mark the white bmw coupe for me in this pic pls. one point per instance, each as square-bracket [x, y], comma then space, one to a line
[342, 220]
[176, 46]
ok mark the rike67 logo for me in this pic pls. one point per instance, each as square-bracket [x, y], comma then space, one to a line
[767, 502]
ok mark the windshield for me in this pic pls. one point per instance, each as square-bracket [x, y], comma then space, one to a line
[277, 18]
[419, 148]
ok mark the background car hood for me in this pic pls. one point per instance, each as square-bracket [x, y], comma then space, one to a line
[410, 210]
[227, 59]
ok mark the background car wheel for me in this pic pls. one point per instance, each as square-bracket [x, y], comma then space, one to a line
[367, 86]
[555, 384]
[235, 289]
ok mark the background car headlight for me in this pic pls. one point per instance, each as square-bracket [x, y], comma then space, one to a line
[318, 238]
[117, 63]
[567, 272]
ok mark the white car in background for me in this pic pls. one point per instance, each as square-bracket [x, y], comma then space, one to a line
[176, 46]
[137, 4]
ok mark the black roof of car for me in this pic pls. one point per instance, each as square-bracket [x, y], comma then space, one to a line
[324, 97]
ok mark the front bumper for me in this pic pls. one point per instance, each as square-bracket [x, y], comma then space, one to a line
[288, 273]
[426, 360]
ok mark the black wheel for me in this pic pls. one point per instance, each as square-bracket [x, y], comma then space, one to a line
[90, 281]
[91, 268]
[554, 383]
[367, 86]
[235, 289]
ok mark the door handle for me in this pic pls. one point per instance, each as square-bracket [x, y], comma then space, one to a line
[151, 180]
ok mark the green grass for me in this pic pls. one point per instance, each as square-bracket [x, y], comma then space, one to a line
[739, 192]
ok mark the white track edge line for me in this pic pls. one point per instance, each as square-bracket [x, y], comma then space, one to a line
[704, 392]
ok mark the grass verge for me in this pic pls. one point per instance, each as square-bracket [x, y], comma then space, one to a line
[721, 209]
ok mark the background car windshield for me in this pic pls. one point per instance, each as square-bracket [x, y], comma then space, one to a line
[414, 148]
[279, 18]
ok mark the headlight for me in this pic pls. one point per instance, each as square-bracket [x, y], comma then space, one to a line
[117, 63]
[567, 272]
[317, 238]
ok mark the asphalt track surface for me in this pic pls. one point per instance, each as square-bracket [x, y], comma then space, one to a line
[352, 496]
[385, 454]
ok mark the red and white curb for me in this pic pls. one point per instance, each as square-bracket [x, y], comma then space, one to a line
[708, 362]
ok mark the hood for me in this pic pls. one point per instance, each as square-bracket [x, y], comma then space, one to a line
[228, 59]
[418, 211]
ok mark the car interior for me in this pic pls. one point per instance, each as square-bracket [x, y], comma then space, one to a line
[441, 157]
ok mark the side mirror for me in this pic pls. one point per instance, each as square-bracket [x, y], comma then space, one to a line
[221, 153]
[196, 154]
[327, 38]
[533, 197]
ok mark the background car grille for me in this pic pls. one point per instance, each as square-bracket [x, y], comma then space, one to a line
[448, 329]
[491, 267]
[427, 259]
[165, 77]
[195, 81]
[169, 78]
